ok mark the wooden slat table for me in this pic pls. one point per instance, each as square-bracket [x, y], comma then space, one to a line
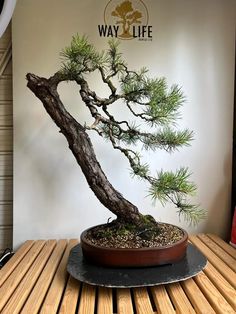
[35, 281]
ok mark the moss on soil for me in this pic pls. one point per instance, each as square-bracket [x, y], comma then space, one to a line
[117, 235]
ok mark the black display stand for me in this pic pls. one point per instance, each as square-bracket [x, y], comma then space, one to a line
[189, 266]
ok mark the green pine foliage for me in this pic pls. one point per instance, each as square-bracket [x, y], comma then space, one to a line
[80, 57]
[151, 102]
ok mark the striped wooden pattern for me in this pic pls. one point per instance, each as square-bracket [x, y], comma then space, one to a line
[6, 140]
[35, 280]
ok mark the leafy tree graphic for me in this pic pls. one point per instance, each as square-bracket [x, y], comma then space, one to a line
[127, 16]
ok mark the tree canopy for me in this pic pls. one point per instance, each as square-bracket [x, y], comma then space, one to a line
[150, 102]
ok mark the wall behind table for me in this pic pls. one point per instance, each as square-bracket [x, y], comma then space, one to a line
[6, 141]
[193, 45]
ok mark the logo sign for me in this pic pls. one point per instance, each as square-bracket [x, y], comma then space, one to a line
[126, 19]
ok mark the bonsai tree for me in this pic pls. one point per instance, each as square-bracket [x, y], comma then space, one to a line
[152, 105]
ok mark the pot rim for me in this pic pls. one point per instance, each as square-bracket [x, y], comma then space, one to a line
[182, 240]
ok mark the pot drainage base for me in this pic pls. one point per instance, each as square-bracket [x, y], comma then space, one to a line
[189, 266]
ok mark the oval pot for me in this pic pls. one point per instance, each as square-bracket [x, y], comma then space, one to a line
[136, 257]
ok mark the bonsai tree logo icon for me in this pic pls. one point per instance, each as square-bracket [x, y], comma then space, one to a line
[126, 16]
[122, 16]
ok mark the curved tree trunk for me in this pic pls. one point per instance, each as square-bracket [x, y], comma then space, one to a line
[82, 149]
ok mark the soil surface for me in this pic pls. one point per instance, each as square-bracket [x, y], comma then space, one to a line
[113, 237]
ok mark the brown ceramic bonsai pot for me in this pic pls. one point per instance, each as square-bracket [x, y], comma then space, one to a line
[135, 257]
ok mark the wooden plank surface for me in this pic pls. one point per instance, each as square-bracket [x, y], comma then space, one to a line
[70, 298]
[24, 288]
[35, 281]
[38, 293]
[224, 256]
[124, 301]
[162, 300]
[225, 246]
[104, 301]
[51, 303]
[87, 300]
[214, 297]
[227, 291]
[179, 299]
[14, 261]
[9, 286]
[142, 301]
[196, 297]
[216, 261]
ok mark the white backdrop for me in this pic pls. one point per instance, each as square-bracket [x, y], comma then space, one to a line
[193, 45]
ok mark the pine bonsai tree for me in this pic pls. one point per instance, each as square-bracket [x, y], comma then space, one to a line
[151, 104]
